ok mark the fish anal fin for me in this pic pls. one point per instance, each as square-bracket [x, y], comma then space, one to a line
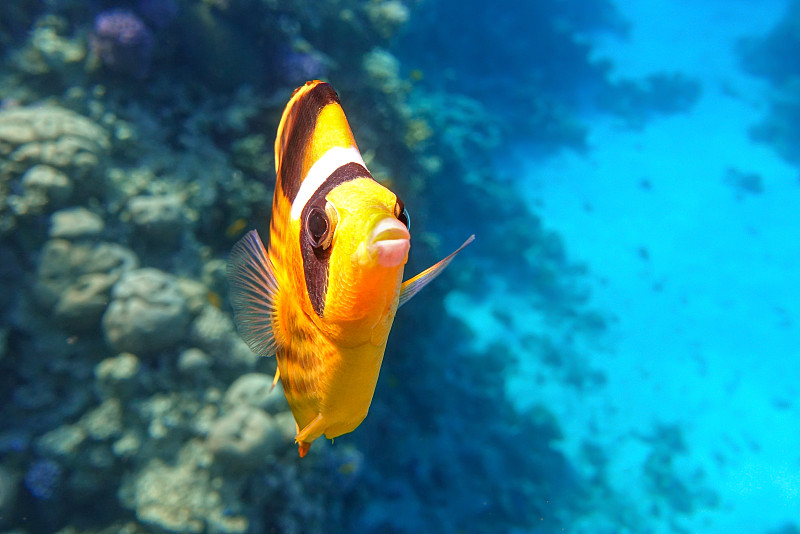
[412, 286]
[275, 378]
[254, 290]
[302, 448]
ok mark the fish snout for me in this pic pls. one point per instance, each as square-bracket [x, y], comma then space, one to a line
[389, 242]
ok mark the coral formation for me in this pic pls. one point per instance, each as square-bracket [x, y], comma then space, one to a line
[69, 273]
[122, 42]
[256, 390]
[50, 51]
[180, 498]
[47, 155]
[147, 312]
[44, 187]
[75, 223]
[244, 437]
[42, 478]
[116, 376]
[50, 135]
[158, 219]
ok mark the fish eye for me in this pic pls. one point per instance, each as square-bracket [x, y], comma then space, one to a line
[401, 213]
[318, 228]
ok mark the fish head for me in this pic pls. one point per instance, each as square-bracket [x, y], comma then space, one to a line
[372, 227]
[369, 245]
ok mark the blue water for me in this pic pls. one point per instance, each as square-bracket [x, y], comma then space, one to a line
[699, 278]
[618, 351]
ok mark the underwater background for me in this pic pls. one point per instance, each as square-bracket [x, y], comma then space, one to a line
[618, 351]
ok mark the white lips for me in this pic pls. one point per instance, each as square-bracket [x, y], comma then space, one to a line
[391, 241]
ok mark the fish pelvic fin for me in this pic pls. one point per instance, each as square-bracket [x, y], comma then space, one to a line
[412, 286]
[254, 289]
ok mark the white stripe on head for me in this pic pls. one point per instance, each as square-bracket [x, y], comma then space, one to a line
[320, 171]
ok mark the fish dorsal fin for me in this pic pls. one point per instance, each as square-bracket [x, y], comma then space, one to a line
[253, 292]
[313, 123]
[412, 286]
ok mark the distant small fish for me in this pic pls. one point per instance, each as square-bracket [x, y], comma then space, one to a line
[235, 228]
[324, 297]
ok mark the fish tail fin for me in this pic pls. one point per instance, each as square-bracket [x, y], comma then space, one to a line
[254, 289]
[412, 286]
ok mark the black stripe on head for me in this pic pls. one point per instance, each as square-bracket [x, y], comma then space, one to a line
[316, 261]
[301, 122]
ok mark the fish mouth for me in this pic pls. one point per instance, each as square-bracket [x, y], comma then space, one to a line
[390, 242]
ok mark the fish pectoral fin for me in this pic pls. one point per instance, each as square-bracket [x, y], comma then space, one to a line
[312, 431]
[412, 286]
[253, 293]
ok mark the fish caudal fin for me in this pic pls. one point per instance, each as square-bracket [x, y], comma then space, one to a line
[413, 286]
[253, 291]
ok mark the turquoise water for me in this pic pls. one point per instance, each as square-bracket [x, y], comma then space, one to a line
[616, 352]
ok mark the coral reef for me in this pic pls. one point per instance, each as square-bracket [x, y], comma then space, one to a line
[130, 403]
[769, 56]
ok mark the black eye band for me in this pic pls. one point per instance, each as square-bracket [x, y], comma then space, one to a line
[316, 245]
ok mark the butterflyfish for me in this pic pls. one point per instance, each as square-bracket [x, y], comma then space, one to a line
[323, 296]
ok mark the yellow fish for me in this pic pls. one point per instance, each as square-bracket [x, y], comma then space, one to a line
[323, 298]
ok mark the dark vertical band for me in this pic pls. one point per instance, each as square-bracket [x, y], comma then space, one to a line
[300, 125]
[316, 261]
